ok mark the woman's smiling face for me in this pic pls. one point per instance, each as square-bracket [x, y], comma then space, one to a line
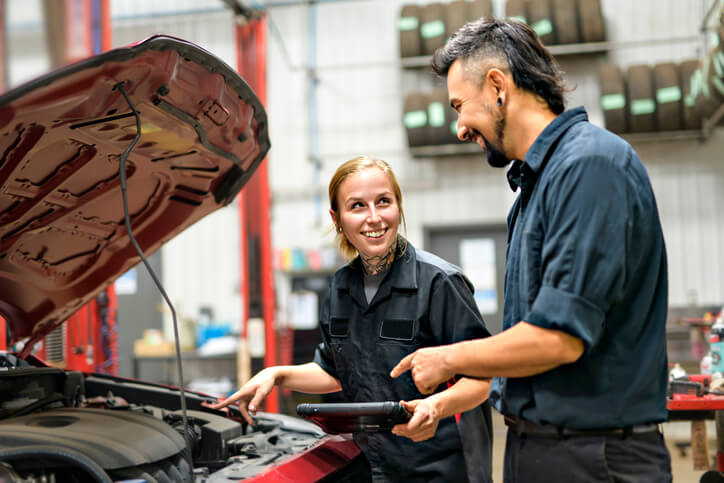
[368, 212]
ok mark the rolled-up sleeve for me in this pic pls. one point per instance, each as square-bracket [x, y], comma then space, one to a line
[585, 221]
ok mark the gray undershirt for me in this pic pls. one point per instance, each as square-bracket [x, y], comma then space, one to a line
[372, 283]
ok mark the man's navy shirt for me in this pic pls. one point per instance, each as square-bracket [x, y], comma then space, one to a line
[586, 256]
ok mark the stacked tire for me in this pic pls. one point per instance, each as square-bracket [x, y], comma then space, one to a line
[560, 21]
[429, 120]
[424, 28]
[663, 97]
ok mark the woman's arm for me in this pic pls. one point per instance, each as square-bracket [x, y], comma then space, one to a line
[309, 378]
[462, 396]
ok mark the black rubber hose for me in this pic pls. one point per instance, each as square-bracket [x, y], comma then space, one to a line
[63, 454]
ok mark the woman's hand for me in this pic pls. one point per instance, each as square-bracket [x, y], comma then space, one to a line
[252, 393]
[423, 423]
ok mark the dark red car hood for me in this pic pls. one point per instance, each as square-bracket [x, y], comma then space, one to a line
[62, 232]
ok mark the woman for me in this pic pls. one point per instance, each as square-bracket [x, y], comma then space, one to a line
[390, 300]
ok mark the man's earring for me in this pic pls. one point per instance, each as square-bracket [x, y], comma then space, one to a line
[500, 102]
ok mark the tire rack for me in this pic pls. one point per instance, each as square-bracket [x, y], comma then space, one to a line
[431, 125]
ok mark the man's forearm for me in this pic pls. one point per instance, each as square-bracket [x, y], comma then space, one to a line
[521, 351]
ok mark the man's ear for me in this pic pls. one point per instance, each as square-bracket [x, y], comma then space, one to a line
[497, 80]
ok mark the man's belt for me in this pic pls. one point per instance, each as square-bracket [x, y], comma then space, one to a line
[522, 426]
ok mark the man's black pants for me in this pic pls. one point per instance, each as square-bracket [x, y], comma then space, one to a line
[633, 458]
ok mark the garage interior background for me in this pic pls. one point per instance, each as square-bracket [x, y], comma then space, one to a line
[336, 88]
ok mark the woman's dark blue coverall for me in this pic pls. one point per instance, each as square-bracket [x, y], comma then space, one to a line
[423, 301]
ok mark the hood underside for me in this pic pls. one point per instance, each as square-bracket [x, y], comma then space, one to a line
[62, 232]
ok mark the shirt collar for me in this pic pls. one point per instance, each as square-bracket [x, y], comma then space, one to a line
[537, 153]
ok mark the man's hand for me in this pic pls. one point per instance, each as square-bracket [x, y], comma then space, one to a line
[255, 390]
[427, 366]
[423, 423]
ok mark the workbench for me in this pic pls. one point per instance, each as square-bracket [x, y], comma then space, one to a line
[693, 407]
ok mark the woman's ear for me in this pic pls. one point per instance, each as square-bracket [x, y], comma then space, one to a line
[333, 214]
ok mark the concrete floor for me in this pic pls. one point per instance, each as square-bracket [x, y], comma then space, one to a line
[681, 465]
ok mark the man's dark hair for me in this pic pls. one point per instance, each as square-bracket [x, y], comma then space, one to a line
[513, 43]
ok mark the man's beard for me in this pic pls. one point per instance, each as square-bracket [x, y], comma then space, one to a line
[495, 155]
[496, 158]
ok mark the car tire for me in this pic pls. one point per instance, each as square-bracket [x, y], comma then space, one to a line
[690, 72]
[593, 28]
[613, 98]
[408, 26]
[641, 103]
[541, 20]
[716, 74]
[432, 27]
[457, 15]
[667, 89]
[414, 118]
[565, 21]
[437, 117]
[517, 9]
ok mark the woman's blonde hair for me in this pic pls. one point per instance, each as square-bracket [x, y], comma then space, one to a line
[356, 165]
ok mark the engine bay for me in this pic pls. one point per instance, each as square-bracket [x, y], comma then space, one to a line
[68, 426]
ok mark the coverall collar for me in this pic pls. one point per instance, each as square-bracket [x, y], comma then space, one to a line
[402, 275]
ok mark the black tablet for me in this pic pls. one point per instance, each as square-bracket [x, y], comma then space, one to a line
[335, 418]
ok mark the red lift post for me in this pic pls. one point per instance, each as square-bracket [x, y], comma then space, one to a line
[257, 284]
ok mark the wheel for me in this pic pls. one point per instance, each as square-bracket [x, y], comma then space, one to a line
[540, 19]
[517, 9]
[414, 118]
[409, 27]
[691, 79]
[432, 27]
[591, 16]
[565, 21]
[613, 98]
[667, 88]
[439, 117]
[457, 15]
[641, 103]
[716, 73]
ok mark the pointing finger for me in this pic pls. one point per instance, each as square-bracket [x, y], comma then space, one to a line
[404, 365]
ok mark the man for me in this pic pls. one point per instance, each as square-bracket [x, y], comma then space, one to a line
[581, 364]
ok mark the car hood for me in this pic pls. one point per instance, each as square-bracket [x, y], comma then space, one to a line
[62, 232]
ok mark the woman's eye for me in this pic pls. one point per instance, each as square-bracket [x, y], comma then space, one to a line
[356, 204]
[384, 201]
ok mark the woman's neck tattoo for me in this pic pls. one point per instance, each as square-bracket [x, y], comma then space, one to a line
[379, 263]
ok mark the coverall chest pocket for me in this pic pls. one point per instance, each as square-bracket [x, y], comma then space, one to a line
[346, 355]
[398, 337]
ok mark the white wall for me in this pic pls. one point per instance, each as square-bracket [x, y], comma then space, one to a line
[360, 92]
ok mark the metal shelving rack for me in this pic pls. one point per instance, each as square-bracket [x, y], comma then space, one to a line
[702, 134]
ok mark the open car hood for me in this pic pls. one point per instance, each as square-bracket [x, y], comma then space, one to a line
[62, 232]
